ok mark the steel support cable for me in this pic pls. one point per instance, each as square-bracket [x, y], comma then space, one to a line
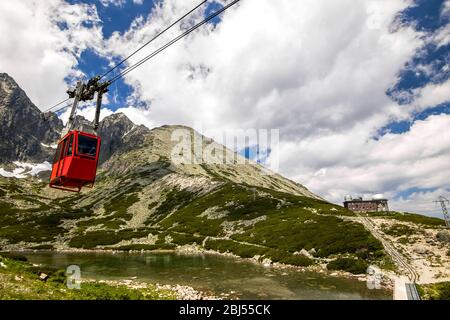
[65, 107]
[154, 38]
[56, 105]
[173, 41]
[135, 52]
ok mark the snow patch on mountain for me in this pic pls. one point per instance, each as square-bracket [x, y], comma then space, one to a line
[52, 146]
[24, 170]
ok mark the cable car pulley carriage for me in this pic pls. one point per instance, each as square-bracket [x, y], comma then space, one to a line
[76, 158]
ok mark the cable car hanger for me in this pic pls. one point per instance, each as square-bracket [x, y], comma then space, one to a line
[76, 159]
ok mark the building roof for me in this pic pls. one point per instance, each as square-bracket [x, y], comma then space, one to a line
[360, 200]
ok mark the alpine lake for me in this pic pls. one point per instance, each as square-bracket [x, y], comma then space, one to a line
[215, 274]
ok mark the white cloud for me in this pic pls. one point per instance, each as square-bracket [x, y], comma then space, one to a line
[445, 11]
[396, 163]
[421, 202]
[442, 36]
[298, 66]
[117, 3]
[432, 94]
[87, 111]
[138, 116]
[317, 70]
[39, 55]
[217, 78]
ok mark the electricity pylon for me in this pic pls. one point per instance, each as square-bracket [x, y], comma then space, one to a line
[443, 202]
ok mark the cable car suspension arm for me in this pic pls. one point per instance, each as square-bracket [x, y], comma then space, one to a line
[86, 92]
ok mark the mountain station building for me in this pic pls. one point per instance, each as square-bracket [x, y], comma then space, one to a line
[359, 205]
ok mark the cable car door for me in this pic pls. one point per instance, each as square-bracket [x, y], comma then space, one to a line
[57, 167]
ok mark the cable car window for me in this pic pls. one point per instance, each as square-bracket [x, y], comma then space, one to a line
[87, 146]
[70, 148]
[58, 152]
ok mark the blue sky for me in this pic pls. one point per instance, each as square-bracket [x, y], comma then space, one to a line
[118, 18]
[368, 109]
[424, 16]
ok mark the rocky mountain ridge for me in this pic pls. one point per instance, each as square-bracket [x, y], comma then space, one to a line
[26, 133]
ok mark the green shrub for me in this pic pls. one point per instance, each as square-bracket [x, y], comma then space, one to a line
[182, 239]
[411, 217]
[398, 230]
[297, 260]
[288, 258]
[355, 266]
[14, 256]
[105, 237]
[58, 276]
[435, 291]
[43, 247]
[146, 247]
[244, 251]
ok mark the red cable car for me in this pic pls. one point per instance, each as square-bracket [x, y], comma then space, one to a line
[76, 159]
[75, 162]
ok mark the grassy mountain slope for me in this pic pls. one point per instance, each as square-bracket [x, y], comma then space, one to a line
[142, 200]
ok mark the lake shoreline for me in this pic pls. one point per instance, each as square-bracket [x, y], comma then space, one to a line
[192, 250]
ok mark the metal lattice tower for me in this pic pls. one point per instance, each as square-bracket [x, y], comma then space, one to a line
[442, 200]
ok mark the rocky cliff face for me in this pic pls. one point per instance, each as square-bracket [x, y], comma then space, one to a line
[28, 135]
[119, 135]
[25, 132]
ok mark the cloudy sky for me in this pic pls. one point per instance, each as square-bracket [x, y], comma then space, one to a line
[359, 90]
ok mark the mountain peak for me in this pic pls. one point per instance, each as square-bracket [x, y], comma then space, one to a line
[12, 96]
[4, 77]
[119, 134]
[24, 127]
[119, 116]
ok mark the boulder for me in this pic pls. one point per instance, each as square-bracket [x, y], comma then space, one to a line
[43, 276]
[421, 250]
[443, 236]
[305, 253]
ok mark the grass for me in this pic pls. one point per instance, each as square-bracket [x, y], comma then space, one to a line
[355, 266]
[410, 217]
[294, 230]
[119, 204]
[93, 239]
[286, 223]
[435, 291]
[183, 239]
[398, 230]
[173, 200]
[285, 228]
[146, 247]
[250, 251]
[19, 225]
[20, 281]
